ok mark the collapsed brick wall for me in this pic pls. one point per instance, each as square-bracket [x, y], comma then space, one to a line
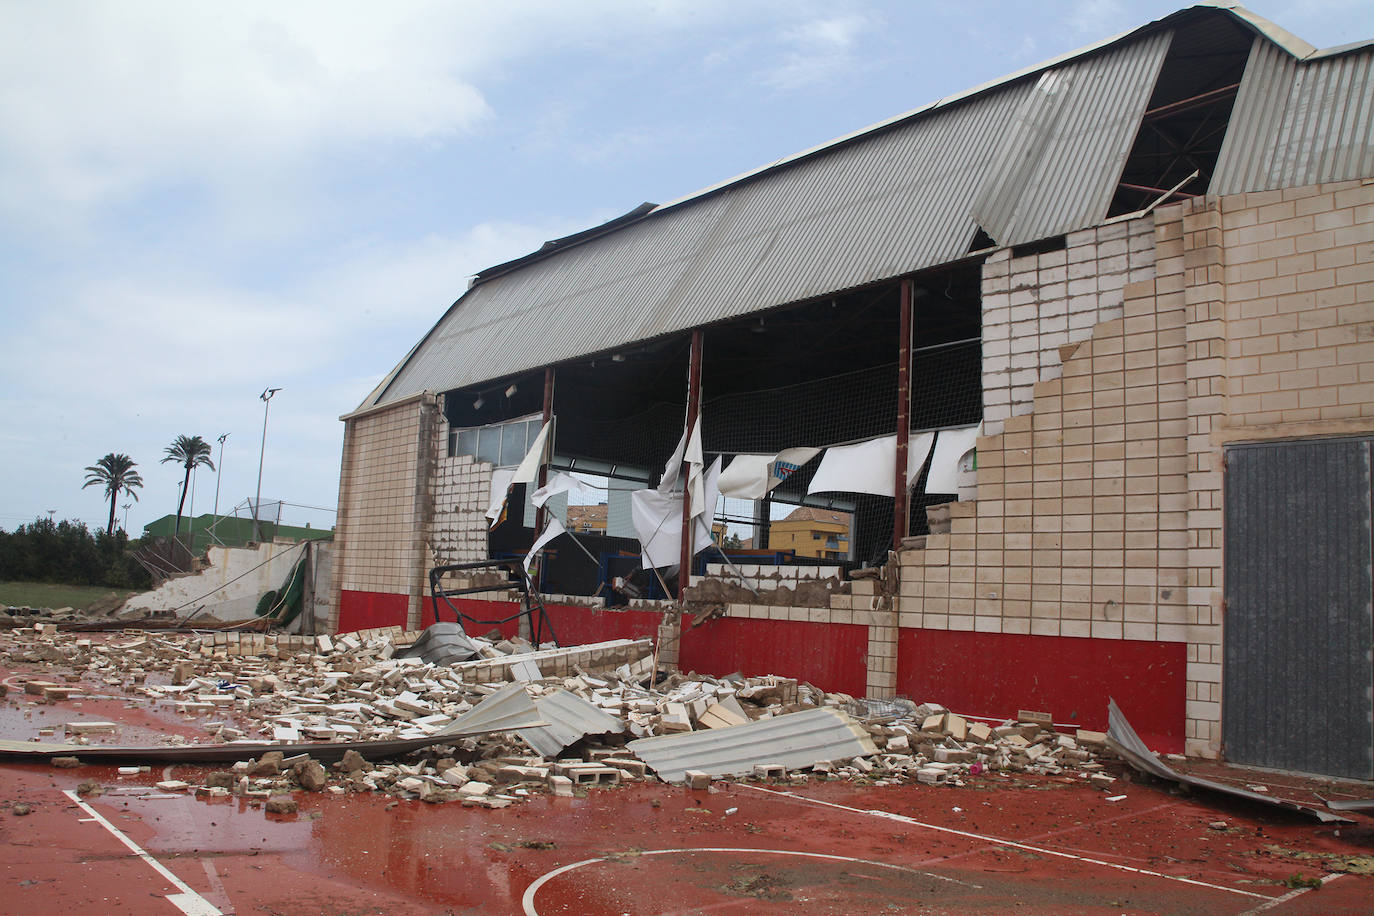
[459, 492]
[1099, 512]
[1035, 304]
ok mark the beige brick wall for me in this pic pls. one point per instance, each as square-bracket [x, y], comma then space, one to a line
[1035, 304]
[460, 491]
[1099, 511]
[386, 458]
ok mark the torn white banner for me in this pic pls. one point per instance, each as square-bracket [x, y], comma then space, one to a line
[952, 445]
[657, 519]
[695, 462]
[753, 476]
[500, 485]
[869, 467]
[673, 468]
[552, 530]
[529, 468]
[559, 483]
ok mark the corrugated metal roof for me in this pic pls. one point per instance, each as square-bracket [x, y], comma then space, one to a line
[1057, 165]
[508, 709]
[797, 739]
[1298, 123]
[570, 718]
[890, 200]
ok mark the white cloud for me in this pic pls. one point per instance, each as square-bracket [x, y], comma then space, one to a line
[818, 51]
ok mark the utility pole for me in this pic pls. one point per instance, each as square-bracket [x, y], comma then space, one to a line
[126, 517]
[219, 472]
[266, 397]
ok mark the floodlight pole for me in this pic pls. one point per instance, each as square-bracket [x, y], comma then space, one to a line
[266, 398]
[219, 472]
[126, 517]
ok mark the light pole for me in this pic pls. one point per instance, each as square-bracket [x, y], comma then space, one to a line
[126, 517]
[266, 397]
[219, 472]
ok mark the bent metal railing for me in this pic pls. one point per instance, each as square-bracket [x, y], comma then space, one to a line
[530, 600]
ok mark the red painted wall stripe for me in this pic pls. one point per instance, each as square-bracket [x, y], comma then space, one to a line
[995, 674]
[830, 656]
[361, 610]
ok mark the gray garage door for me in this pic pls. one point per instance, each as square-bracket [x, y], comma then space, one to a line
[1298, 681]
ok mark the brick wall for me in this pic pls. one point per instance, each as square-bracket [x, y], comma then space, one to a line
[386, 456]
[1035, 304]
[460, 490]
[1099, 510]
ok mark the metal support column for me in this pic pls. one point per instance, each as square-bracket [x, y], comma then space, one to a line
[541, 514]
[684, 574]
[900, 510]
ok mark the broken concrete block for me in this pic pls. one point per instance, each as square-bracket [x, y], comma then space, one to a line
[281, 804]
[696, 779]
[932, 777]
[979, 732]
[66, 763]
[770, 771]
[1035, 717]
[472, 788]
[311, 776]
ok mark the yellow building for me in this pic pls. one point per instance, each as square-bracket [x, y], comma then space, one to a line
[822, 533]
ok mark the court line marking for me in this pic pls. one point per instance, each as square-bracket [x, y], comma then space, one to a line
[527, 901]
[1289, 896]
[1001, 842]
[188, 901]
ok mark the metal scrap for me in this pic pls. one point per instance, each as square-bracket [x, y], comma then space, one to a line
[1121, 737]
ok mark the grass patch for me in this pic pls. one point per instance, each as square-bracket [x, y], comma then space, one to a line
[46, 594]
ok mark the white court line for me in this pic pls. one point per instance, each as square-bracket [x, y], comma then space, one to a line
[1001, 842]
[528, 900]
[1288, 896]
[188, 901]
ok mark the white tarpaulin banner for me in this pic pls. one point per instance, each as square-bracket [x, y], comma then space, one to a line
[753, 476]
[500, 484]
[869, 467]
[552, 530]
[695, 462]
[673, 468]
[529, 468]
[658, 521]
[944, 467]
[558, 483]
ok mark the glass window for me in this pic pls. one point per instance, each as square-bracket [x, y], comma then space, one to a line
[489, 444]
[512, 444]
[467, 442]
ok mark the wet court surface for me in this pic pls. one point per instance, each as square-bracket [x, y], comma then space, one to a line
[1000, 845]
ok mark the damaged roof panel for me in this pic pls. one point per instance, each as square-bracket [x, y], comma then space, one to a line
[795, 740]
[898, 202]
[1059, 162]
[1032, 155]
[1299, 123]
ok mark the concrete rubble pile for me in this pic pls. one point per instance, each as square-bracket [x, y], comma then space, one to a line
[256, 688]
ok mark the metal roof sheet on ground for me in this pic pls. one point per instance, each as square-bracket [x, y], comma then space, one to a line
[570, 719]
[1122, 739]
[508, 709]
[1299, 123]
[795, 740]
[1058, 164]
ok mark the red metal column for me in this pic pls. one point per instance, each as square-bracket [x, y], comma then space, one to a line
[900, 511]
[684, 573]
[540, 515]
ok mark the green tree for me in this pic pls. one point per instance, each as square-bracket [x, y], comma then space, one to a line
[190, 452]
[115, 472]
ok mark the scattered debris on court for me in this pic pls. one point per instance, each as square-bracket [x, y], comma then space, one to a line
[600, 705]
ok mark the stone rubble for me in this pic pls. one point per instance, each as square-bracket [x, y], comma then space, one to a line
[256, 688]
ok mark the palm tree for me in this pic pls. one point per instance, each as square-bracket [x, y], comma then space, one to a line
[115, 472]
[190, 452]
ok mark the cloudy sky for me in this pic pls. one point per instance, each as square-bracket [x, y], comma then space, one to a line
[199, 200]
